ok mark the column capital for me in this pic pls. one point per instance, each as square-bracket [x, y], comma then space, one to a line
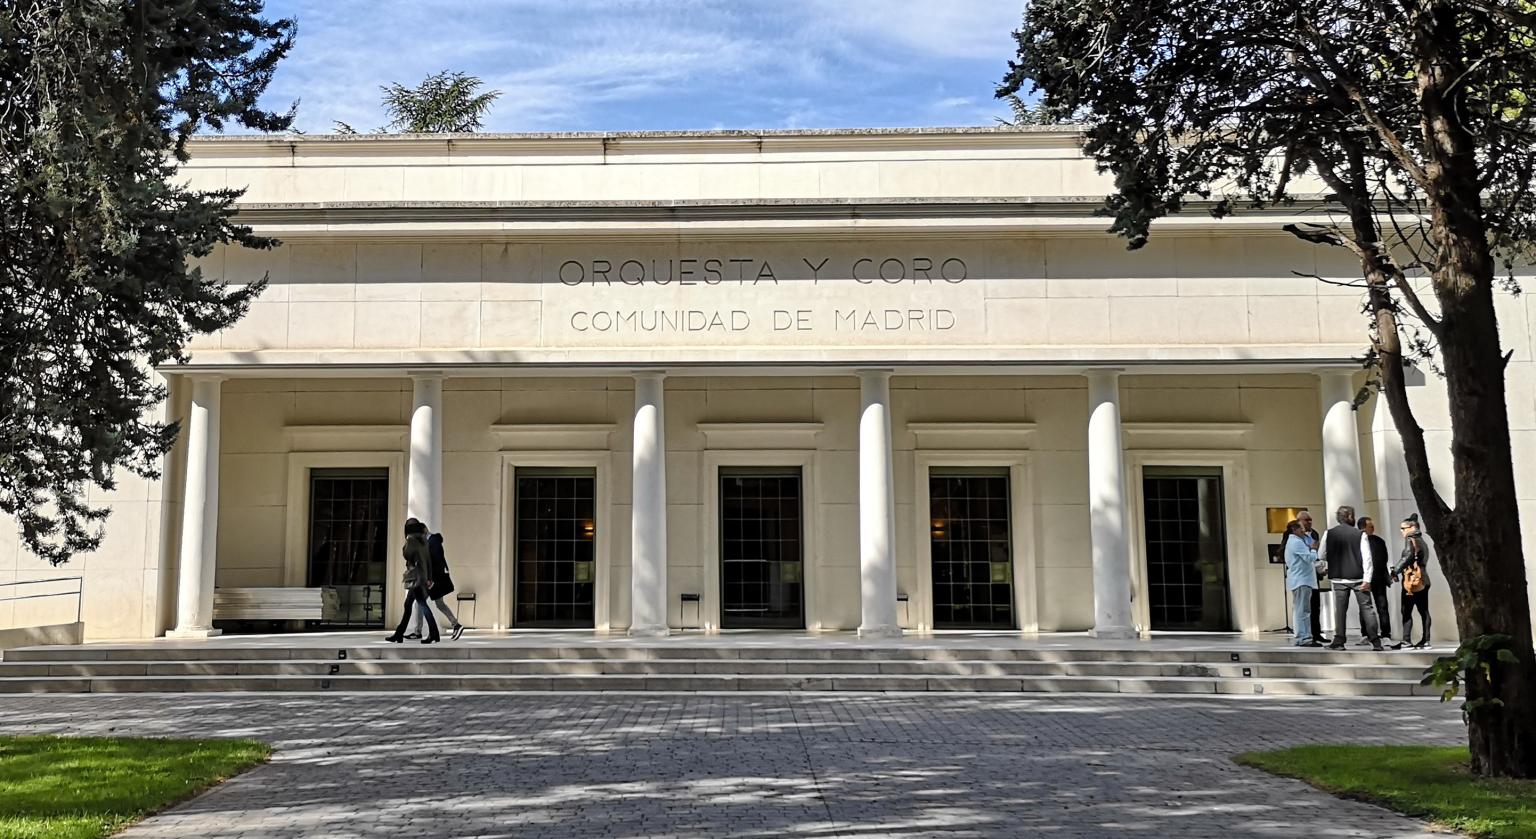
[426, 374]
[876, 372]
[1103, 372]
[210, 378]
[649, 375]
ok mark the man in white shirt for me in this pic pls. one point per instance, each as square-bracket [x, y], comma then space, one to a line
[1345, 548]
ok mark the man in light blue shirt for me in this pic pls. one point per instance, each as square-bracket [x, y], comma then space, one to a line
[1300, 581]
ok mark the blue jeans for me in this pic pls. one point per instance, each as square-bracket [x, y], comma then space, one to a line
[1301, 614]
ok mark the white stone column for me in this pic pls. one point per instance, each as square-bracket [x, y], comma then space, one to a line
[1342, 483]
[877, 508]
[424, 490]
[648, 517]
[1107, 509]
[200, 513]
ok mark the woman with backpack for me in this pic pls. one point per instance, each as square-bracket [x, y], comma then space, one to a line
[1413, 570]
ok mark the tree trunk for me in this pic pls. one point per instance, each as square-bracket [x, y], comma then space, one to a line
[1479, 541]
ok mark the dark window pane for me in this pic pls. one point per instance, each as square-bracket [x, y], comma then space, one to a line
[969, 519]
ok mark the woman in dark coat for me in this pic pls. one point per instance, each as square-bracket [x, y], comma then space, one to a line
[418, 582]
[442, 586]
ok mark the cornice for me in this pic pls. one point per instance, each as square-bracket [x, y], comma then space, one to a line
[348, 213]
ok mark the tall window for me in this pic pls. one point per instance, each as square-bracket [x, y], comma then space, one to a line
[556, 536]
[1186, 549]
[971, 548]
[348, 543]
[762, 577]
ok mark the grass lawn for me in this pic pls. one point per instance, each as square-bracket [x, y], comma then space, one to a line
[85, 787]
[1426, 782]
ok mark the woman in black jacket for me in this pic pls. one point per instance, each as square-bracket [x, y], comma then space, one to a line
[1413, 570]
[442, 586]
[418, 582]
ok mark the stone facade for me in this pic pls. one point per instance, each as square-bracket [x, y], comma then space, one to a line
[449, 311]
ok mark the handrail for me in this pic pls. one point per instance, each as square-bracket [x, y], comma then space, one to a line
[79, 592]
[35, 582]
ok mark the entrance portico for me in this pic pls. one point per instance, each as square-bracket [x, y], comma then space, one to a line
[874, 550]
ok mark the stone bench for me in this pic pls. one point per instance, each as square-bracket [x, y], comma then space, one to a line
[275, 603]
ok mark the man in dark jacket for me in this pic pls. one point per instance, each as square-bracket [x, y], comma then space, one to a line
[1345, 548]
[417, 580]
[442, 586]
[1381, 579]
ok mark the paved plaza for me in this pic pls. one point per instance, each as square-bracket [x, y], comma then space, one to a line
[696, 765]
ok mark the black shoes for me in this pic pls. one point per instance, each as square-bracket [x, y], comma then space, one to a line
[394, 639]
[1311, 644]
[1335, 646]
[430, 640]
[458, 631]
[414, 636]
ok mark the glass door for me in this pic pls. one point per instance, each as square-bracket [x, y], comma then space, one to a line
[761, 572]
[1186, 543]
[348, 543]
[556, 543]
[971, 548]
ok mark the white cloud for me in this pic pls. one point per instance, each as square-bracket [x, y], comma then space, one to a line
[611, 64]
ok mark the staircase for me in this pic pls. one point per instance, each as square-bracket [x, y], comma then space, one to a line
[674, 667]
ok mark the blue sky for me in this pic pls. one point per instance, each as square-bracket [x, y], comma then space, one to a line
[629, 65]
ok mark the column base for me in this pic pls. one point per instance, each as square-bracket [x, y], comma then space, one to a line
[877, 632]
[1114, 633]
[649, 632]
[195, 633]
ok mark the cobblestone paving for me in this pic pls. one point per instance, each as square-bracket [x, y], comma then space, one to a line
[606, 765]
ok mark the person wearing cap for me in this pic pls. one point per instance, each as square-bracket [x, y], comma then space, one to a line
[418, 582]
[1412, 571]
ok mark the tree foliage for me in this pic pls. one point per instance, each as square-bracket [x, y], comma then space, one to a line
[444, 103]
[1416, 118]
[97, 240]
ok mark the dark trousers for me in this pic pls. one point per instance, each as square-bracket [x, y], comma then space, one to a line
[413, 597]
[1317, 615]
[1384, 616]
[1341, 596]
[1418, 601]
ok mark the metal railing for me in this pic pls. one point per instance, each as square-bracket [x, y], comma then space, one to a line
[78, 593]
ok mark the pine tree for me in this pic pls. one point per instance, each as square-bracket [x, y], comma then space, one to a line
[98, 283]
[444, 103]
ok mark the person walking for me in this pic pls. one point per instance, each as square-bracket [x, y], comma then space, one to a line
[1412, 572]
[1304, 518]
[418, 581]
[442, 586]
[1344, 549]
[1380, 572]
[1300, 581]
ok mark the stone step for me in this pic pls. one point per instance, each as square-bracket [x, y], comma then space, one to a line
[518, 667]
[709, 683]
[217, 652]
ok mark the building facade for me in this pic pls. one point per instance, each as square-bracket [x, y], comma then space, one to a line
[859, 380]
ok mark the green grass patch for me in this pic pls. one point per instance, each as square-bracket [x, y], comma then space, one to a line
[86, 787]
[1427, 782]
